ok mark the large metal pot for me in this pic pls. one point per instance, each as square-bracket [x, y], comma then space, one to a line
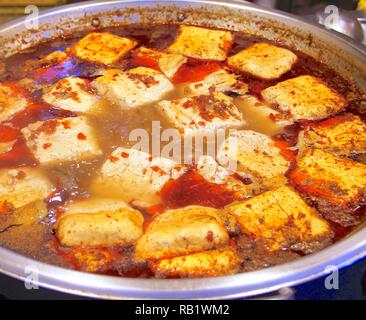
[336, 50]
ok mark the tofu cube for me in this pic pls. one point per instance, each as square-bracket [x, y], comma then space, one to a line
[256, 156]
[12, 100]
[99, 222]
[19, 187]
[205, 264]
[181, 232]
[220, 80]
[336, 185]
[133, 88]
[102, 47]
[167, 63]
[72, 94]
[133, 175]
[343, 136]
[304, 98]
[282, 220]
[264, 61]
[201, 113]
[62, 139]
[202, 43]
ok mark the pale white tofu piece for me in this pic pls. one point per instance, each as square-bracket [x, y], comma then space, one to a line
[99, 222]
[167, 63]
[12, 100]
[220, 80]
[256, 155]
[202, 43]
[61, 139]
[134, 176]
[211, 263]
[133, 88]
[71, 93]
[201, 113]
[304, 97]
[263, 60]
[102, 47]
[182, 231]
[19, 187]
[282, 220]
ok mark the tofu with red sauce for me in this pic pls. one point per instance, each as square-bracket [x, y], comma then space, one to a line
[211, 263]
[19, 187]
[99, 222]
[304, 98]
[12, 100]
[255, 156]
[220, 80]
[202, 43]
[102, 47]
[134, 176]
[71, 93]
[211, 171]
[133, 88]
[343, 135]
[180, 232]
[263, 60]
[337, 186]
[61, 139]
[201, 113]
[282, 220]
[167, 63]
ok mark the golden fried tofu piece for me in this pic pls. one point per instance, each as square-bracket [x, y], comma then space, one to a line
[263, 60]
[12, 100]
[336, 185]
[133, 88]
[167, 63]
[201, 113]
[220, 80]
[71, 93]
[19, 187]
[304, 97]
[54, 57]
[281, 219]
[181, 232]
[256, 156]
[133, 175]
[107, 223]
[343, 135]
[202, 43]
[61, 139]
[210, 263]
[102, 47]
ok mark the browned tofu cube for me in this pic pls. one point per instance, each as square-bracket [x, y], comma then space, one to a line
[336, 185]
[182, 232]
[282, 220]
[343, 136]
[264, 61]
[202, 43]
[205, 264]
[304, 97]
[102, 47]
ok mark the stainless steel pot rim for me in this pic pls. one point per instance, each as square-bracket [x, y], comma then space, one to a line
[307, 268]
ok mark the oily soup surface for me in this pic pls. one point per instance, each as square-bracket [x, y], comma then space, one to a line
[256, 240]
